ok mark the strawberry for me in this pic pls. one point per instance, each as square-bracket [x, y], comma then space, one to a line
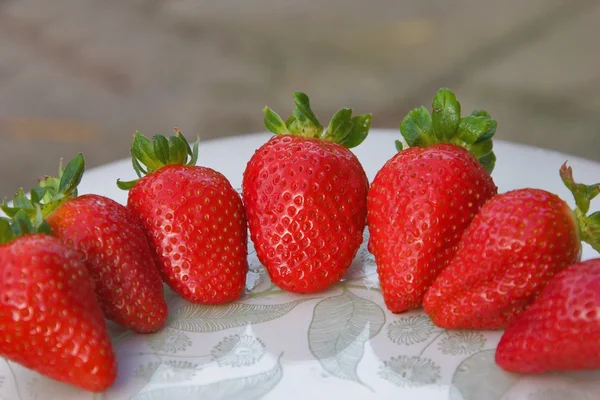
[424, 197]
[516, 243]
[305, 195]
[50, 319]
[111, 243]
[560, 331]
[117, 254]
[193, 219]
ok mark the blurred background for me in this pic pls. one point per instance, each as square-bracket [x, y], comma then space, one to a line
[83, 75]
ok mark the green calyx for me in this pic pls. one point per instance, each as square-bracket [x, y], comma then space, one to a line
[444, 124]
[589, 225]
[149, 156]
[27, 214]
[21, 224]
[50, 193]
[343, 128]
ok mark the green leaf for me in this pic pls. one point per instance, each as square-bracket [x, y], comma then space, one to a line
[340, 327]
[21, 201]
[290, 122]
[39, 223]
[340, 126]
[589, 226]
[71, 176]
[590, 230]
[481, 113]
[160, 146]
[274, 123]
[183, 139]
[203, 318]
[126, 185]
[51, 184]
[52, 191]
[416, 128]
[294, 127]
[399, 145]
[21, 223]
[471, 128]
[9, 211]
[343, 128]
[6, 233]
[194, 154]
[177, 148]
[492, 125]
[487, 135]
[143, 150]
[582, 193]
[305, 118]
[481, 149]
[60, 169]
[445, 114]
[479, 377]
[149, 156]
[138, 168]
[361, 124]
[488, 161]
[38, 193]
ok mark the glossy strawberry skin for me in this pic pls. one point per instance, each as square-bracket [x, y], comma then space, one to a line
[195, 222]
[419, 204]
[516, 243]
[50, 320]
[561, 329]
[118, 257]
[306, 206]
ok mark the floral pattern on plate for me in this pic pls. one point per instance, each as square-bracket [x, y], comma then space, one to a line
[169, 341]
[238, 351]
[411, 330]
[410, 371]
[462, 342]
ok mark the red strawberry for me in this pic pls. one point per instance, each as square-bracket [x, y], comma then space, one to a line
[193, 218]
[516, 243]
[115, 251]
[305, 196]
[425, 196]
[561, 330]
[111, 243]
[50, 320]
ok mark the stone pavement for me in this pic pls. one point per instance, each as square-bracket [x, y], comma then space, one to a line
[83, 75]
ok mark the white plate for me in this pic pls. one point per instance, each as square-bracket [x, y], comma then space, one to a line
[341, 343]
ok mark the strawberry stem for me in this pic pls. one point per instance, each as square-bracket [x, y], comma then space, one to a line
[444, 124]
[21, 224]
[417, 128]
[343, 128]
[26, 215]
[51, 191]
[61, 188]
[6, 232]
[445, 114]
[149, 156]
[589, 225]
